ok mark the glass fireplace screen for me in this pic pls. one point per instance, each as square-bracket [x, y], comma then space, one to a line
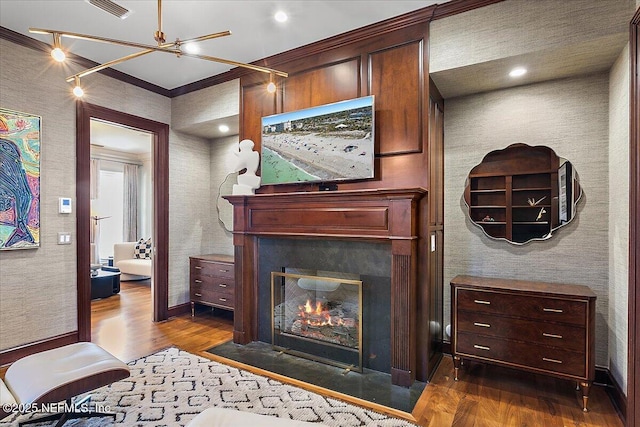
[318, 315]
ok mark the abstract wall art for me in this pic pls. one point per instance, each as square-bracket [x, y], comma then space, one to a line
[19, 180]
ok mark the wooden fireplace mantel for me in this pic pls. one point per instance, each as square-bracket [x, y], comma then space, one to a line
[381, 215]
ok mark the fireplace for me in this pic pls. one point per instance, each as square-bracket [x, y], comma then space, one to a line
[318, 315]
[392, 219]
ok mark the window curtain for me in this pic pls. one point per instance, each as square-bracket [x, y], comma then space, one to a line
[130, 203]
[94, 229]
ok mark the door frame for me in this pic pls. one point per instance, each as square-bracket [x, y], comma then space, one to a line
[160, 234]
[633, 341]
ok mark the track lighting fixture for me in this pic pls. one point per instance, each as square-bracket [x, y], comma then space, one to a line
[174, 48]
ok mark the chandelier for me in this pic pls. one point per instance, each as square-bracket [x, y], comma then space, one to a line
[174, 48]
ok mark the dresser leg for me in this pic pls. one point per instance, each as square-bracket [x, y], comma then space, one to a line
[586, 387]
[456, 367]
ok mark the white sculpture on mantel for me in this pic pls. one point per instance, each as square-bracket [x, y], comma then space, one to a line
[245, 158]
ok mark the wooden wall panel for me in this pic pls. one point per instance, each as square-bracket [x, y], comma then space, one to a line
[331, 83]
[391, 64]
[255, 102]
[396, 81]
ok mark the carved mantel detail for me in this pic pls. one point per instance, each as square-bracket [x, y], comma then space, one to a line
[381, 215]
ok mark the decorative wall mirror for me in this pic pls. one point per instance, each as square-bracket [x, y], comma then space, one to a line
[225, 209]
[522, 193]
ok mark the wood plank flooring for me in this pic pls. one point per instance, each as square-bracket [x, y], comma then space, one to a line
[484, 396]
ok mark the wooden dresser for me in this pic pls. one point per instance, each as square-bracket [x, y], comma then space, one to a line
[212, 281]
[540, 327]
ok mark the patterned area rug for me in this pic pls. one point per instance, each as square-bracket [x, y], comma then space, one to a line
[171, 387]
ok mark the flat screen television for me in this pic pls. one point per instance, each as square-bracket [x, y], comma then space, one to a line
[327, 143]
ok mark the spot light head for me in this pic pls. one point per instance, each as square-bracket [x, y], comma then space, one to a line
[58, 54]
[77, 90]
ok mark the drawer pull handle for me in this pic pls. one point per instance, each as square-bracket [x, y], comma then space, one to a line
[482, 325]
[552, 310]
[479, 301]
[223, 285]
[544, 334]
[197, 267]
[223, 299]
[224, 271]
[198, 294]
[198, 281]
[551, 360]
[481, 347]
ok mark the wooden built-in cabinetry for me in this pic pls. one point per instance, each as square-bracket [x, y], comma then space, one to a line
[540, 327]
[211, 281]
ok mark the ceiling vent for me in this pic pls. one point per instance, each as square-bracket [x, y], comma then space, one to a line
[111, 7]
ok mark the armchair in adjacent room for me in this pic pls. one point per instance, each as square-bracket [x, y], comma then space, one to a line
[132, 265]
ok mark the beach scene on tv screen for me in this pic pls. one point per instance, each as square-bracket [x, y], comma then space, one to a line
[331, 142]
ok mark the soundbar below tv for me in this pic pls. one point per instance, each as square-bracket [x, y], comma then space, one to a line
[324, 144]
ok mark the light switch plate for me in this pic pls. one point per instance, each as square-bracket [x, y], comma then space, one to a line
[64, 238]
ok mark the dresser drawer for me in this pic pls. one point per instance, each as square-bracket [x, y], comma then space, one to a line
[540, 308]
[521, 354]
[207, 296]
[212, 268]
[213, 284]
[545, 333]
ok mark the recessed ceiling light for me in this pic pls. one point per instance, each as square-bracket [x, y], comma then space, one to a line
[223, 128]
[192, 48]
[517, 72]
[280, 16]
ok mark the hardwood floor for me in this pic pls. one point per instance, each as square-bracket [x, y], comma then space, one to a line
[484, 396]
[122, 324]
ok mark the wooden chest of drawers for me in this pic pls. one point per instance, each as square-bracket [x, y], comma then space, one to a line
[212, 281]
[540, 327]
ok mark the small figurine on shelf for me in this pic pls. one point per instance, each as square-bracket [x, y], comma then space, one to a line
[488, 219]
[534, 202]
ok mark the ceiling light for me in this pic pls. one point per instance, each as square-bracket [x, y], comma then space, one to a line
[172, 48]
[518, 71]
[191, 48]
[57, 52]
[280, 16]
[223, 128]
[77, 90]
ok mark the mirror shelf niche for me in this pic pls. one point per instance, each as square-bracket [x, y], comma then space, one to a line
[522, 193]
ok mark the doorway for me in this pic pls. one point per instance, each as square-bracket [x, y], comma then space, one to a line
[160, 225]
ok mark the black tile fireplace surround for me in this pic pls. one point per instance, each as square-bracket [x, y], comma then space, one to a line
[371, 261]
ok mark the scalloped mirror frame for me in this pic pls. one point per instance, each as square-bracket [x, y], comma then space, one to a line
[522, 193]
[224, 208]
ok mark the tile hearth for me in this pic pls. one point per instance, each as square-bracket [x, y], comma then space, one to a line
[372, 386]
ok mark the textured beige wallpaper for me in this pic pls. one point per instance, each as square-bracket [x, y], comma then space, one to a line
[38, 286]
[517, 27]
[191, 211]
[619, 217]
[221, 239]
[571, 117]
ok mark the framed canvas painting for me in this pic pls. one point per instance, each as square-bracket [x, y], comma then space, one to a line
[19, 180]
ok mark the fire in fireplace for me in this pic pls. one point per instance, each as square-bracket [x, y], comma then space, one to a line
[318, 316]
